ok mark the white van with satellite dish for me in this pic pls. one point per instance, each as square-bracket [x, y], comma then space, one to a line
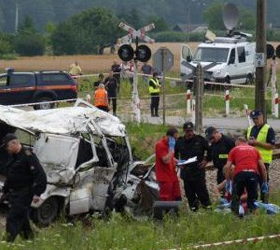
[227, 59]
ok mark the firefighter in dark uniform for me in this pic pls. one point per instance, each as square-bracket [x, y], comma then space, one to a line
[220, 147]
[193, 174]
[25, 182]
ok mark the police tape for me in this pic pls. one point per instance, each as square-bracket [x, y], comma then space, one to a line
[229, 242]
[178, 79]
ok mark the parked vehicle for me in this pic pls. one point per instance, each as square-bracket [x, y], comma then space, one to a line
[33, 87]
[228, 59]
[87, 158]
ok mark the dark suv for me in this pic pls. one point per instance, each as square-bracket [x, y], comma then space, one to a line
[33, 87]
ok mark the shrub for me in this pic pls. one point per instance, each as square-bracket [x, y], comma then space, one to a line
[29, 45]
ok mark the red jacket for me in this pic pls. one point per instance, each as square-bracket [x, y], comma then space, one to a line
[164, 171]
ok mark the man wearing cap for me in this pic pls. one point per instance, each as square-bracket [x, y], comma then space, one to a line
[220, 147]
[169, 188]
[262, 137]
[154, 90]
[25, 182]
[193, 174]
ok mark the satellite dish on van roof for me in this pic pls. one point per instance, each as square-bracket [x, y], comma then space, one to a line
[230, 16]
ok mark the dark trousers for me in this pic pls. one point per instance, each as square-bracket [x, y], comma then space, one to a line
[114, 103]
[18, 216]
[154, 104]
[242, 180]
[196, 190]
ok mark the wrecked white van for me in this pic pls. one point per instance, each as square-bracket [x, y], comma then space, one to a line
[87, 158]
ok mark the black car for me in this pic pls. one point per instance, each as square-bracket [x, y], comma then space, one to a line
[33, 87]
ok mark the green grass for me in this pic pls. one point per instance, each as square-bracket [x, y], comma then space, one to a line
[189, 229]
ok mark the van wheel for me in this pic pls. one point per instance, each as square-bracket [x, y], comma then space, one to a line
[44, 105]
[47, 212]
[249, 79]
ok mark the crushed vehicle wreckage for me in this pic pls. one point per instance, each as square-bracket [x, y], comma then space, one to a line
[88, 160]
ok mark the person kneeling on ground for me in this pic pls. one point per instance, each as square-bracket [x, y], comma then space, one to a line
[248, 168]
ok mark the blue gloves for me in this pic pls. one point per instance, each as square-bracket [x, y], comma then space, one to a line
[264, 188]
[171, 142]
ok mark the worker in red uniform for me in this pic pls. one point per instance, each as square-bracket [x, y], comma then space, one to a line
[101, 98]
[165, 167]
[248, 168]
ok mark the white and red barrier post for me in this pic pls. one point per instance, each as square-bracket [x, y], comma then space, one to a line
[188, 96]
[248, 114]
[193, 111]
[227, 102]
[276, 105]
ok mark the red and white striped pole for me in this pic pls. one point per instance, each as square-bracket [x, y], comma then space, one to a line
[188, 102]
[248, 115]
[227, 102]
[193, 111]
[276, 105]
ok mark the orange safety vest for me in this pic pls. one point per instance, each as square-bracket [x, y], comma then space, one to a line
[100, 98]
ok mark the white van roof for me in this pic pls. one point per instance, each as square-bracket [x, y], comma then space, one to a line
[67, 120]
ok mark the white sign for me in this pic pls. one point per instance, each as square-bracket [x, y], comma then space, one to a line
[141, 33]
[260, 60]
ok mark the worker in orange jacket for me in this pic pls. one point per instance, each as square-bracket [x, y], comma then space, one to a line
[101, 98]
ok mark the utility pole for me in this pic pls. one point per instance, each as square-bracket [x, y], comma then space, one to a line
[261, 57]
[16, 19]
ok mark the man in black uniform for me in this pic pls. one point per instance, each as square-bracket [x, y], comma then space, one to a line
[220, 147]
[25, 182]
[193, 174]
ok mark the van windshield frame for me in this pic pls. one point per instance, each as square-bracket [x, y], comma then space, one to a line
[218, 55]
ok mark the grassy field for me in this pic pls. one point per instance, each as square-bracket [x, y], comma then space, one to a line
[184, 232]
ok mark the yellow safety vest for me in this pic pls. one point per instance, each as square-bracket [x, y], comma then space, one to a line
[265, 153]
[155, 90]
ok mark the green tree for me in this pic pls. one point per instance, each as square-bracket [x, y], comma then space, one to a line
[29, 44]
[213, 16]
[160, 24]
[27, 27]
[86, 32]
[247, 19]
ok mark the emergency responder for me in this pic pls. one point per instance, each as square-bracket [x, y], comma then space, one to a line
[111, 85]
[100, 80]
[193, 174]
[116, 68]
[220, 147]
[169, 189]
[262, 136]
[25, 182]
[101, 98]
[154, 90]
[248, 168]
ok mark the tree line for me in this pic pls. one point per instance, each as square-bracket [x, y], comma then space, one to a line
[88, 31]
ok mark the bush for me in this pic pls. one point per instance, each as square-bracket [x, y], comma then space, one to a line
[30, 45]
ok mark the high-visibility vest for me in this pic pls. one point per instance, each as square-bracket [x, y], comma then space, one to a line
[100, 98]
[155, 90]
[265, 153]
